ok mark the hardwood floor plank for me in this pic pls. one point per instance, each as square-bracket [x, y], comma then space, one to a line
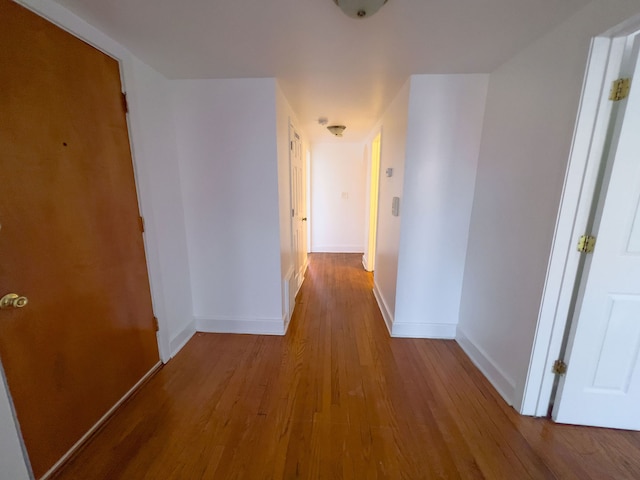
[337, 398]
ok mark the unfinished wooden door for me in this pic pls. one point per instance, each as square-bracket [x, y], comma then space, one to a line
[70, 236]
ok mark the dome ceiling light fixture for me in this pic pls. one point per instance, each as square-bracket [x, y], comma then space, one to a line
[360, 8]
[337, 130]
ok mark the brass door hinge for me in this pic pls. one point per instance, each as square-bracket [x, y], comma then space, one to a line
[586, 244]
[141, 221]
[125, 104]
[156, 325]
[620, 89]
[559, 367]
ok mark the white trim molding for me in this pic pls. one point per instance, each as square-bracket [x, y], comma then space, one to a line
[411, 329]
[500, 381]
[252, 326]
[384, 309]
[181, 338]
[288, 296]
[286, 321]
[338, 249]
[423, 330]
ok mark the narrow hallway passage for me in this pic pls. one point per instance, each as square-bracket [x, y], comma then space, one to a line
[337, 398]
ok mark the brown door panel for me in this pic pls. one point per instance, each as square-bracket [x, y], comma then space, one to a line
[70, 239]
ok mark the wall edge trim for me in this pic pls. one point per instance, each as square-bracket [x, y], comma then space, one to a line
[382, 305]
[338, 249]
[424, 330]
[240, 325]
[181, 338]
[500, 381]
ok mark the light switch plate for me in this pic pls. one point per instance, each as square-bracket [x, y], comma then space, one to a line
[395, 206]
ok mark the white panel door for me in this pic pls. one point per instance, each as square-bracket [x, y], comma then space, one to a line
[298, 215]
[602, 384]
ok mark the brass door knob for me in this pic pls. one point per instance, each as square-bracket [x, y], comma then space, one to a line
[13, 300]
[304, 219]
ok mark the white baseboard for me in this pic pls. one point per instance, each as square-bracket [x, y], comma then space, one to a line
[423, 330]
[181, 339]
[286, 321]
[288, 296]
[337, 249]
[252, 326]
[503, 384]
[365, 263]
[99, 424]
[384, 309]
[411, 330]
[292, 295]
[289, 300]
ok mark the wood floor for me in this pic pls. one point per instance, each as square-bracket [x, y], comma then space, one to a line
[337, 398]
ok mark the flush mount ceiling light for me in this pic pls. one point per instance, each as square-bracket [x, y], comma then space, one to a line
[336, 129]
[360, 8]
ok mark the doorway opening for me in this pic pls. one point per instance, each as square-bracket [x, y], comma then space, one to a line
[339, 184]
[369, 257]
[605, 363]
[298, 212]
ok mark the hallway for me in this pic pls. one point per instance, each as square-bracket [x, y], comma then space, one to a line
[337, 398]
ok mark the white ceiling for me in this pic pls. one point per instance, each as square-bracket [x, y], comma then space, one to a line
[328, 64]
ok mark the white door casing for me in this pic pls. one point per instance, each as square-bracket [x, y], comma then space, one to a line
[602, 384]
[374, 182]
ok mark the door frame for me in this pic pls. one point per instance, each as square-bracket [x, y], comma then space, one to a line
[63, 18]
[372, 199]
[77, 27]
[293, 131]
[587, 149]
[307, 199]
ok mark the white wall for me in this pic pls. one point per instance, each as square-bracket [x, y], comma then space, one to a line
[338, 184]
[443, 141]
[12, 464]
[161, 178]
[392, 155]
[158, 186]
[530, 115]
[226, 136]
